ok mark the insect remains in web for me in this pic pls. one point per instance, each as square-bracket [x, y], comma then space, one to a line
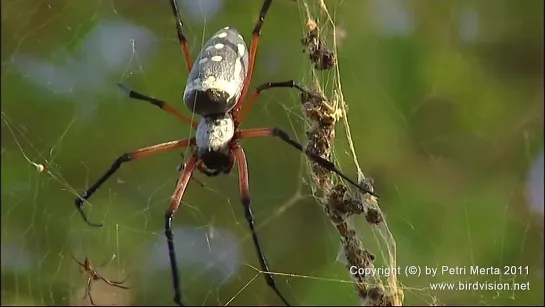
[320, 55]
[322, 133]
[337, 202]
[320, 139]
[342, 205]
[216, 90]
[93, 275]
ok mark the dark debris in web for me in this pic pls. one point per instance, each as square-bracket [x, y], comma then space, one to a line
[338, 204]
[319, 54]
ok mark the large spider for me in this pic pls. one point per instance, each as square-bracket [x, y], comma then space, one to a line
[216, 88]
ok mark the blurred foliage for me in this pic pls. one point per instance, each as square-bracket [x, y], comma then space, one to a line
[448, 127]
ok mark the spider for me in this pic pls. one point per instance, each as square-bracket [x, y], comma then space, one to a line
[216, 89]
[94, 275]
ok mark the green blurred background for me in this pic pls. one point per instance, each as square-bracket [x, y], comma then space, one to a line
[446, 109]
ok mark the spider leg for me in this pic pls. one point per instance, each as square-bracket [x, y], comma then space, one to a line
[159, 103]
[132, 156]
[181, 167]
[284, 136]
[88, 290]
[76, 260]
[256, 33]
[181, 36]
[244, 186]
[115, 283]
[169, 215]
[241, 115]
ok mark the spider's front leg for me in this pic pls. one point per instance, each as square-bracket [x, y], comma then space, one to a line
[286, 138]
[124, 158]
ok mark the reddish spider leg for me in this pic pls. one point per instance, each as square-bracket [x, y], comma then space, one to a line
[256, 34]
[188, 63]
[175, 202]
[244, 186]
[127, 157]
[241, 116]
[284, 136]
[238, 155]
[93, 276]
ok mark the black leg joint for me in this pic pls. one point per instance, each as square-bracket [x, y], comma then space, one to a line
[87, 194]
[135, 95]
[286, 138]
[246, 201]
[126, 157]
[289, 83]
[168, 224]
[323, 162]
[179, 23]
[262, 14]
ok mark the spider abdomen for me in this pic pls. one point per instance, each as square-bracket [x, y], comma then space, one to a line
[217, 77]
[214, 133]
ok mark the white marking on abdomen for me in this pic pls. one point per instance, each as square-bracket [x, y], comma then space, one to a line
[241, 49]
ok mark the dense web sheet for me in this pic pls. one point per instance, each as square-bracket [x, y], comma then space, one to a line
[442, 204]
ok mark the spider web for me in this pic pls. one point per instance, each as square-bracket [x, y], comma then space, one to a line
[442, 111]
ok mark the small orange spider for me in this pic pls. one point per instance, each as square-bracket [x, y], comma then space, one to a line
[94, 275]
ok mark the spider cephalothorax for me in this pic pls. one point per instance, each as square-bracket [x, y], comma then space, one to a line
[216, 89]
